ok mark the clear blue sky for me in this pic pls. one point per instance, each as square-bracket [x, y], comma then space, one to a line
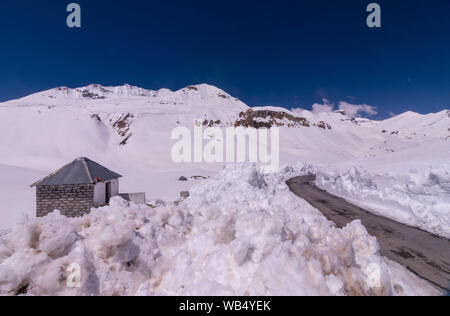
[285, 53]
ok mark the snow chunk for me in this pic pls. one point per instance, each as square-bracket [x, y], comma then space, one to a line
[239, 233]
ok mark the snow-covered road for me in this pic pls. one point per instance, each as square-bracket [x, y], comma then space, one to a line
[425, 254]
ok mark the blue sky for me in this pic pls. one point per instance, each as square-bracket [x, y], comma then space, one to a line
[284, 53]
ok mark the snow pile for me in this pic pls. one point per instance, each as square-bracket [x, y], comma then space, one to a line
[240, 233]
[412, 187]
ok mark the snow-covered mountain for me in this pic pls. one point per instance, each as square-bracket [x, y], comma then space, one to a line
[59, 124]
[241, 232]
[418, 127]
[129, 129]
[130, 97]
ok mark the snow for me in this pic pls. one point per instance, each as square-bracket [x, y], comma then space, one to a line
[240, 233]
[419, 127]
[18, 199]
[411, 186]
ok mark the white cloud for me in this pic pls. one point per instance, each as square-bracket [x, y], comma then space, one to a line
[320, 108]
[355, 110]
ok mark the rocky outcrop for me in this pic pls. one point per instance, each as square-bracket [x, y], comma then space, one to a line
[211, 123]
[323, 125]
[268, 119]
[122, 126]
[121, 123]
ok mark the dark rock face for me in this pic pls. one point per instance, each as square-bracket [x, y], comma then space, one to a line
[223, 96]
[323, 125]
[199, 177]
[86, 93]
[211, 123]
[182, 179]
[122, 126]
[91, 95]
[184, 194]
[268, 119]
[97, 118]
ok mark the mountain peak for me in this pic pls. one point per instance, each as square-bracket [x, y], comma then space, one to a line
[98, 92]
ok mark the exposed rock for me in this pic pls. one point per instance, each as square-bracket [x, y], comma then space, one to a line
[183, 179]
[184, 194]
[122, 126]
[121, 123]
[97, 118]
[86, 93]
[125, 140]
[268, 119]
[211, 123]
[323, 125]
[90, 95]
[223, 96]
[199, 178]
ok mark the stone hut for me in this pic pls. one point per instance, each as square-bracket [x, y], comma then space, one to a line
[76, 188]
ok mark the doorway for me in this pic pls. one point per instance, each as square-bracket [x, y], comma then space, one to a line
[108, 192]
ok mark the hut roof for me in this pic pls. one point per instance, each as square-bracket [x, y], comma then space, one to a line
[79, 171]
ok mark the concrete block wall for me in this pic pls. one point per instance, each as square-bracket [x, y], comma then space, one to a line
[71, 200]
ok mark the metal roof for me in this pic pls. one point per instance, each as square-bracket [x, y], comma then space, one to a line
[79, 171]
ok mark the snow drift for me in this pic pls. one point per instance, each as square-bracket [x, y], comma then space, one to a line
[412, 186]
[240, 233]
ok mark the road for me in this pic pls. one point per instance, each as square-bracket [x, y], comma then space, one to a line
[423, 253]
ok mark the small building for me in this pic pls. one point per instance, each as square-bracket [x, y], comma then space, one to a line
[76, 188]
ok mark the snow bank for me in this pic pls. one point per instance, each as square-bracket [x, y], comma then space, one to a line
[240, 233]
[412, 187]
[18, 199]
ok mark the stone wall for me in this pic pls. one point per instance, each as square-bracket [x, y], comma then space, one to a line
[71, 200]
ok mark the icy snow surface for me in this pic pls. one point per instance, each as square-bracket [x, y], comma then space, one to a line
[240, 233]
[412, 186]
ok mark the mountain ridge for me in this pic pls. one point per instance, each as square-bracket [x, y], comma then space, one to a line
[98, 92]
[132, 134]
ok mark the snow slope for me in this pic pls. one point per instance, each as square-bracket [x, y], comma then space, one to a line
[419, 127]
[240, 233]
[18, 199]
[128, 129]
[411, 186]
[46, 130]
